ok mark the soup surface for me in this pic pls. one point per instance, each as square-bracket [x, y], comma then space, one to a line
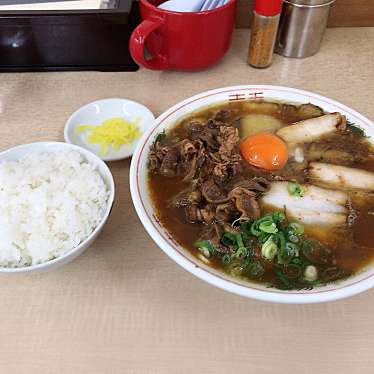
[266, 192]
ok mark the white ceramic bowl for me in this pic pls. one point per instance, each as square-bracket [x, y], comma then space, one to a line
[96, 113]
[22, 150]
[143, 204]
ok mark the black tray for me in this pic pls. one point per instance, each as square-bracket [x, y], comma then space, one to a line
[68, 40]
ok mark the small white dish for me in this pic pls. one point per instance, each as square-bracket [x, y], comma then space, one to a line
[18, 152]
[96, 113]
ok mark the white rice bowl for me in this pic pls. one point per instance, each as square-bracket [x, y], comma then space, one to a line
[50, 202]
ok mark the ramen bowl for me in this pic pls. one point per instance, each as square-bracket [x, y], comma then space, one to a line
[141, 196]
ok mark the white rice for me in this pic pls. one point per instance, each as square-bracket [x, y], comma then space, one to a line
[49, 203]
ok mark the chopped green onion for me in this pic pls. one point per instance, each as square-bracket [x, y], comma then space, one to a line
[205, 247]
[160, 136]
[310, 273]
[205, 252]
[268, 227]
[241, 253]
[293, 238]
[269, 249]
[263, 237]
[239, 240]
[279, 217]
[357, 130]
[254, 230]
[282, 241]
[285, 281]
[245, 229]
[226, 259]
[255, 269]
[292, 249]
[297, 227]
[296, 261]
[228, 239]
[295, 189]
[236, 268]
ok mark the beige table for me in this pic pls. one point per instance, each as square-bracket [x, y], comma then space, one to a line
[123, 306]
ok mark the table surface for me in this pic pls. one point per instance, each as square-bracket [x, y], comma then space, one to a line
[124, 306]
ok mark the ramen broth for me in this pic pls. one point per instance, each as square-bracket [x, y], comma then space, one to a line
[349, 255]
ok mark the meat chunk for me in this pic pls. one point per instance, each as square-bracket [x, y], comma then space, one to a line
[156, 156]
[208, 213]
[220, 173]
[223, 115]
[209, 140]
[185, 198]
[213, 193]
[214, 124]
[170, 162]
[187, 148]
[193, 214]
[246, 203]
[225, 212]
[228, 139]
[257, 184]
[194, 127]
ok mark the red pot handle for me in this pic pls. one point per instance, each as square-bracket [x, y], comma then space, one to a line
[137, 45]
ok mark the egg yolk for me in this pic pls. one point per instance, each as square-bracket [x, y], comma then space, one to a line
[265, 151]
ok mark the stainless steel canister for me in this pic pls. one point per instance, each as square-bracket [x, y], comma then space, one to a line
[301, 28]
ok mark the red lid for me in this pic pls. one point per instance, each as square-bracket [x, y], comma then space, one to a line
[268, 7]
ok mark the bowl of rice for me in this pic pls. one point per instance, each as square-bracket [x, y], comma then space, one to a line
[55, 199]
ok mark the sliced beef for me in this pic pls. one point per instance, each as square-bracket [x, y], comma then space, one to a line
[169, 163]
[257, 184]
[223, 115]
[190, 196]
[220, 173]
[189, 167]
[153, 162]
[213, 193]
[246, 202]
[213, 124]
[201, 155]
[194, 127]
[193, 214]
[226, 212]
[208, 213]
[156, 157]
[209, 140]
[187, 148]
[228, 139]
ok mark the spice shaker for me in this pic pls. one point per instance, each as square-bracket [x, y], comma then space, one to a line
[301, 28]
[266, 15]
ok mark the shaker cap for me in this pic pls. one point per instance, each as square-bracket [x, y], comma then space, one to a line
[268, 7]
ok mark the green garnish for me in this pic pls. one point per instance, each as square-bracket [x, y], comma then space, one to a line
[356, 130]
[205, 247]
[160, 136]
[228, 239]
[226, 259]
[236, 268]
[255, 269]
[268, 226]
[295, 189]
[277, 245]
[269, 249]
[285, 282]
[297, 227]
